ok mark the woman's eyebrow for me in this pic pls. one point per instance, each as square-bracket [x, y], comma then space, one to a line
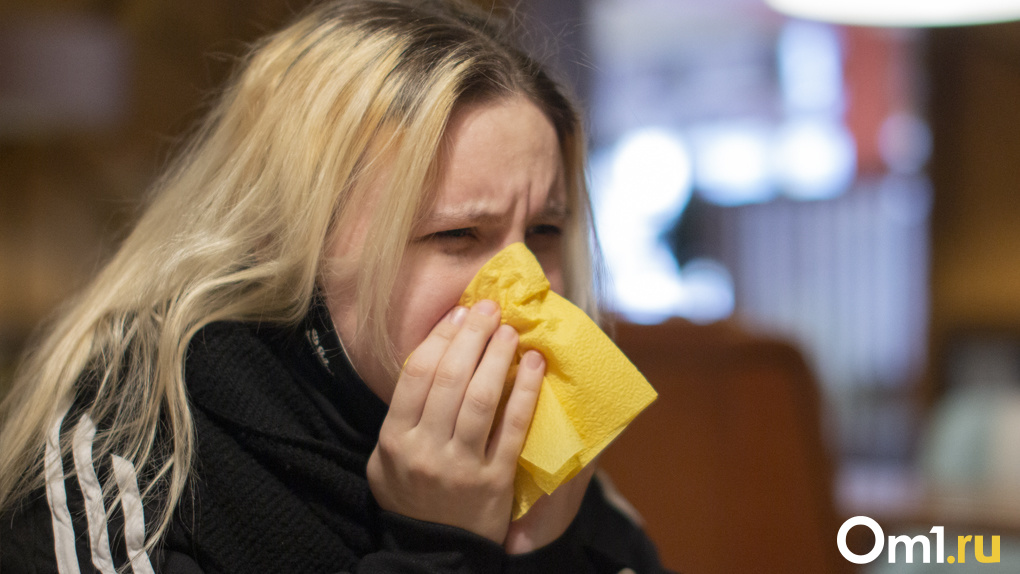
[553, 211]
[473, 215]
[480, 215]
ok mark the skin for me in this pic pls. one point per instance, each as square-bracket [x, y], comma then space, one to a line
[442, 455]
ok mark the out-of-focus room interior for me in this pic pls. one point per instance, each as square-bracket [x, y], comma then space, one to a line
[811, 235]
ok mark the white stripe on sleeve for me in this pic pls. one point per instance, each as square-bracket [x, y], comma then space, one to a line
[56, 497]
[95, 510]
[134, 515]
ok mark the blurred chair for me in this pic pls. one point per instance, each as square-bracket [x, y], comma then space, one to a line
[727, 468]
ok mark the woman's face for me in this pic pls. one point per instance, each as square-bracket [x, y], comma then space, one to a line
[502, 182]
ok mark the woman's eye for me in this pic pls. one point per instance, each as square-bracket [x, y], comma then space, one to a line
[545, 229]
[460, 233]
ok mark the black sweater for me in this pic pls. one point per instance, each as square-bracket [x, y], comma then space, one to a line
[285, 429]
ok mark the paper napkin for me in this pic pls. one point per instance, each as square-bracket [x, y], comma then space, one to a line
[590, 392]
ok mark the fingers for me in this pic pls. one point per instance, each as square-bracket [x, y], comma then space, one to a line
[457, 368]
[481, 399]
[434, 460]
[452, 384]
[416, 378]
[508, 439]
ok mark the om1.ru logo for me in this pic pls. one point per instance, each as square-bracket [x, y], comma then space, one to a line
[908, 544]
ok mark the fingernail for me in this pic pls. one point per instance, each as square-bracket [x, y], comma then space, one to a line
[506, 332]
[486, 307]
[458, 314]
[533, 360]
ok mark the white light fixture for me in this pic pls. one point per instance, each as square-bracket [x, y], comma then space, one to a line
[901, 13]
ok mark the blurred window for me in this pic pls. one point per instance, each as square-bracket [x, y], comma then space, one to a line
[745, 165]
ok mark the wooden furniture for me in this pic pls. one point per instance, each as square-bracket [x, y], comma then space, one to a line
[728, 467]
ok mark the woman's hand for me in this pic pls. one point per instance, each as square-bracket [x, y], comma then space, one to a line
[439, 459]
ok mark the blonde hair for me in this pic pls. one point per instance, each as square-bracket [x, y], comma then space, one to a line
[238, 225]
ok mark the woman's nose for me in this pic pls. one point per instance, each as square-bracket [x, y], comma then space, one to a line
[516, 234]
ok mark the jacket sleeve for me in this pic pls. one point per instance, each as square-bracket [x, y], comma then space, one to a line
[410, 545]
[603, 539]
[26, 538]
[71, 524]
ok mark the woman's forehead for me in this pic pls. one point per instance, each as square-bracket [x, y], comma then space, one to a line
[499, 154]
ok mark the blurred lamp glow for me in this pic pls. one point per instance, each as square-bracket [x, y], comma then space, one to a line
[905, 143]
[655, 166]
[901, 13]
[810, 58]
[732, 164]
[639, 188]
[815, 159]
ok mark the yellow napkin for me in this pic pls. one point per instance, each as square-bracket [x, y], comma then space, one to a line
[590, 392]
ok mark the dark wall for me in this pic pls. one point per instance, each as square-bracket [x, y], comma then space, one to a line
[974, 106]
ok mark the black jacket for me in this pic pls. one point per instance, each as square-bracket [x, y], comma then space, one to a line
[285, 429]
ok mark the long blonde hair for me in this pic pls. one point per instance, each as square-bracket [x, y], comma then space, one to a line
[237, 227]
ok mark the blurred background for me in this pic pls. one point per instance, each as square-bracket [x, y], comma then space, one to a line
[845, 192]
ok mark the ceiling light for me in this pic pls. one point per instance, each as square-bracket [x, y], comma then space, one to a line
[901, 13]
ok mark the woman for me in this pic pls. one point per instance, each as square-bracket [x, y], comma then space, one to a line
[228, 393]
